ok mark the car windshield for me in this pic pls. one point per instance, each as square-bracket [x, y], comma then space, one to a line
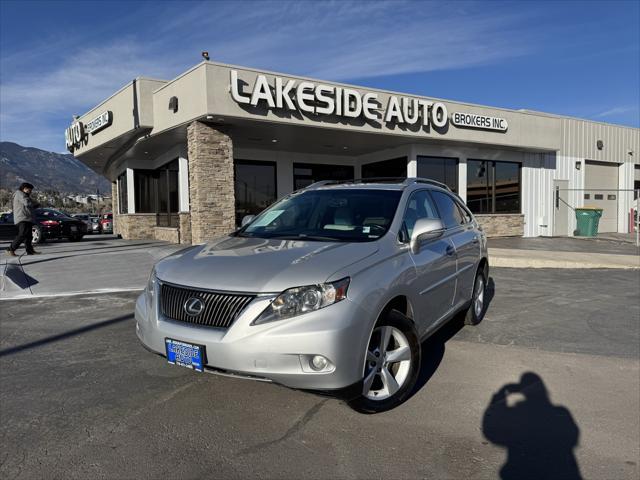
[48, 212]
[356, 215]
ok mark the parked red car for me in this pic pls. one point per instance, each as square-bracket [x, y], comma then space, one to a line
[106, 222]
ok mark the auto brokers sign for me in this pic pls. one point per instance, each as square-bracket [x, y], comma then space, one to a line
[483, 122]
[78, 132]
[321, 99]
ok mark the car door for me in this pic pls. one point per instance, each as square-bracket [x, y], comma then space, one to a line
[435, 264]
[465, 239]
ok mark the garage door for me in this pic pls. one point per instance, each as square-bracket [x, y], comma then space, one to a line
[601, 185]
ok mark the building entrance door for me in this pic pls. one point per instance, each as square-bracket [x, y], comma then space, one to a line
[601, 191]
[561, 208]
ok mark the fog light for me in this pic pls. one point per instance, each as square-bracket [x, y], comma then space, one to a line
[318, 363]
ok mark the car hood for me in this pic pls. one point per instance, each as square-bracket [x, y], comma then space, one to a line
[260, 265]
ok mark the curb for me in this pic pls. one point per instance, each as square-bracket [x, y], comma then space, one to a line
[506, 258]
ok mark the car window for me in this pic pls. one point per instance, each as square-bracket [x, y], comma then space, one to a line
[419, 206]
[342, 215]
[47, 212]
[466, 215]
[449, 211]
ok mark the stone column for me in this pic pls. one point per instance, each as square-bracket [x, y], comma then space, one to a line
[114, 206]
[211, 183]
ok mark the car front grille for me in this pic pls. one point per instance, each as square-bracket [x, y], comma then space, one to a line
[219, 309]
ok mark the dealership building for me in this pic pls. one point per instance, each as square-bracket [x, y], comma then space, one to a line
[190, 157]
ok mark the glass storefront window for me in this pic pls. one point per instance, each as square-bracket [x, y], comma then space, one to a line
[440, 169]
[304, 174]
[396, 167]
[255, 187]
[493, 187]
[123, 200]
[145, 191]
[156, 191]
[167, 212]
[507, 187]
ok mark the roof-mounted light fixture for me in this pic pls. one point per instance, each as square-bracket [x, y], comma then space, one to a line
[173, 104]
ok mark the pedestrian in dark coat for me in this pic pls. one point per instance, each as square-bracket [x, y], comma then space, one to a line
[24, 218]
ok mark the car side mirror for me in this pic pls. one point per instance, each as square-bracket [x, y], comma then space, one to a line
[247, 219]
[425, 229]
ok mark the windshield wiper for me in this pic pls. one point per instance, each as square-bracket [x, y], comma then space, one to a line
[303, 236]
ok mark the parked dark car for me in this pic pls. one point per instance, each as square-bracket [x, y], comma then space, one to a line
[106, 222]
[85, 217]
[52, 223]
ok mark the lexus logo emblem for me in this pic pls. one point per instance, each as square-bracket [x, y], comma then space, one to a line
[193, 306]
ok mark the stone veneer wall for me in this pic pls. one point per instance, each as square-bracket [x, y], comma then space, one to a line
[137, 226]
[508, 225]
[211, 187]
[185, 227]
[167, 234]
[114, 206]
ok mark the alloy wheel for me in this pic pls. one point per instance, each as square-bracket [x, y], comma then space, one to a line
[388, 363]
[478, 297]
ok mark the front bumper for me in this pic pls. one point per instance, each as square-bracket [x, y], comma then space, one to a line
[275, 351]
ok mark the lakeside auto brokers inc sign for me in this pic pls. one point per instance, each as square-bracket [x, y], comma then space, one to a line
[77, 133]
[320, 99]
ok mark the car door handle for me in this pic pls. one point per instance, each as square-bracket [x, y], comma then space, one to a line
[475, 240]
[450, 251]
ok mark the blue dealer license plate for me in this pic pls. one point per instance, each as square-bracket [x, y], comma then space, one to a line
[185, 354]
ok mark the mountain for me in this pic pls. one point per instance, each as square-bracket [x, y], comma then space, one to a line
[47, 171]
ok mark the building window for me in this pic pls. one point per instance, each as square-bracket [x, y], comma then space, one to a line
[304, 174]
[255, 187]
[156, 191]
[146, 190]
[440, 169]
[123, 202]
[168, 204]
[493, 187]
[394, 168]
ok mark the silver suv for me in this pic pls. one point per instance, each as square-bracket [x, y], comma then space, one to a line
[332, 288]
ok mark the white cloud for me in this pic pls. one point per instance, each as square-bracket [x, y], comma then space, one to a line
[616, 111]
[330, 40]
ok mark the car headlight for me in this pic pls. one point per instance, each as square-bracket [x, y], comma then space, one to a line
[299, 300]
[151, 283]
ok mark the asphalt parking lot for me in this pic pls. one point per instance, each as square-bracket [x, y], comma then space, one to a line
[81, 398]
[93, 265]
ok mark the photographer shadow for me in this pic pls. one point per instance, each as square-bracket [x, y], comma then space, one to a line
[539, 436]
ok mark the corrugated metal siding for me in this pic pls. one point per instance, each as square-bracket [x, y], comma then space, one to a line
[566, 170]
[537, 193]
[580, 138]
[579, 143]
[625, 199]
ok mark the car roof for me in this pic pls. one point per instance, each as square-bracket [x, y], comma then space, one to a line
[379, 183]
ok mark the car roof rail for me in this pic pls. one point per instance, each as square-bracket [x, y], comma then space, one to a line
[414, 180]
[401, 180]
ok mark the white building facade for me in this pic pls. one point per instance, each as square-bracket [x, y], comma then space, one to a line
[189, 157]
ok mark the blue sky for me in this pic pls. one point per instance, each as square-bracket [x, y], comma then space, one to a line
[573, 58]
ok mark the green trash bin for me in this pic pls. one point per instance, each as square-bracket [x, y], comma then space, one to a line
[588, 219]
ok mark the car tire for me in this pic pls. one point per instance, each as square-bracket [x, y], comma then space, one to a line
[75, 238]
[37, 236]
[386, 384]
[477, 308]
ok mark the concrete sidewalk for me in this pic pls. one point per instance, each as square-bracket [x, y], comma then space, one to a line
[100, 263]
[541, 252]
